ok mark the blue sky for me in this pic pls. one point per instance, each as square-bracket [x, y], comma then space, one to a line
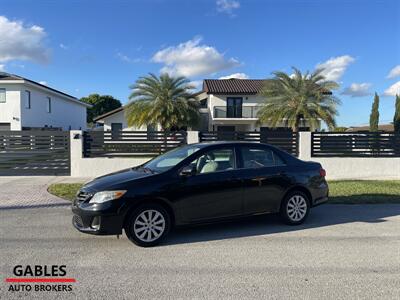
[84, 47]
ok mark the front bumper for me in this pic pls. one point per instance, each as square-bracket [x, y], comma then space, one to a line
[96, 221]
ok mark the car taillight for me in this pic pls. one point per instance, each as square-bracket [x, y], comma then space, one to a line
[322, 172]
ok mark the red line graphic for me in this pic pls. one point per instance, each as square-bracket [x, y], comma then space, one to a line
[33, 279]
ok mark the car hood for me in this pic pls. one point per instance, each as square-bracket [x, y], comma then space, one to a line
[116, 180]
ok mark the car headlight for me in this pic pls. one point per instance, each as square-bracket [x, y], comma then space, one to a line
[105, 196]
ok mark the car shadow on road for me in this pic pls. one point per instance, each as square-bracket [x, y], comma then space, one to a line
[325, 215]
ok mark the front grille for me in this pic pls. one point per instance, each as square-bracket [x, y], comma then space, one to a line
[83, 196]
[77, 220]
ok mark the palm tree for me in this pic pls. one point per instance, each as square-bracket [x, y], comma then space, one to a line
[163, 100]
[299, 96]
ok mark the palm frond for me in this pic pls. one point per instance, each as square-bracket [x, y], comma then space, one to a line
[163, 100]
[292, 97]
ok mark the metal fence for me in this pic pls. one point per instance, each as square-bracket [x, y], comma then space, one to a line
[34, 153]
[285, 140]
[130, 143]
[360, 144]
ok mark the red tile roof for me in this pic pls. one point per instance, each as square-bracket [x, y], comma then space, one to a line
[233, 86]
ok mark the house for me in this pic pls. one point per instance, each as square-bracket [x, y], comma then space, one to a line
[26, 105]
[365, 128]
[224, 105]
[232, 105]
[115, 120]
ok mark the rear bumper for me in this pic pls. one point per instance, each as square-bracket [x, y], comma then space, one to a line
[95, 222]
[319, 193]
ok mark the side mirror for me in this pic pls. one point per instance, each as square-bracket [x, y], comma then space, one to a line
[187, 171]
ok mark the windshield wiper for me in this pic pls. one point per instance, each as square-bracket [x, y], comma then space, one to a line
[146, 169]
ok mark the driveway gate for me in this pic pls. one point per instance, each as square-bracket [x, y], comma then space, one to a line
[34, 153]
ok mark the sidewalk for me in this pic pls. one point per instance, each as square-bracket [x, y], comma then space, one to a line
[31, 191]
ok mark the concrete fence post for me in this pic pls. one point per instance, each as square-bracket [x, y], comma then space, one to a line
[192, 137]
[305, 145]
[76, 150]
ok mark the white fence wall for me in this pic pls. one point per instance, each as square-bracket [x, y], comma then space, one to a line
[96, 166]
[336, 167]
[351, 167]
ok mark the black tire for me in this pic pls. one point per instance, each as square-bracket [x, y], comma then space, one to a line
[291, 213]
[134, 225]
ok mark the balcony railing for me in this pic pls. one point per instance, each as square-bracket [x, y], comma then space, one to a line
[235, 112]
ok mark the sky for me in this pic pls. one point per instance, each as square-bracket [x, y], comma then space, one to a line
[103, 46]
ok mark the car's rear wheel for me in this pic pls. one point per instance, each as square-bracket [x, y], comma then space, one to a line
[295, 208]
[148, 225]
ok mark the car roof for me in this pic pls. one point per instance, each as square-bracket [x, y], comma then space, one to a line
[204, 145]
[214, 143]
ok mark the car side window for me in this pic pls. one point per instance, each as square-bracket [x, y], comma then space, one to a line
[278, 160]
[259, 157]
[214, 161]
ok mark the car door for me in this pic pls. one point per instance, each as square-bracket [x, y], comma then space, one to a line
[264, 179]
[213, 190]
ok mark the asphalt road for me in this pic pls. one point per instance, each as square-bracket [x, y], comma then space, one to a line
[342, 252]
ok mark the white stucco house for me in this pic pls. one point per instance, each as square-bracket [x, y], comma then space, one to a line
[26, 104]
[232, 105]
[115, 120]
[225, 105]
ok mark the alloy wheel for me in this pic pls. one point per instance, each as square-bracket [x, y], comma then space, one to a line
[149, 225]
[296, 208]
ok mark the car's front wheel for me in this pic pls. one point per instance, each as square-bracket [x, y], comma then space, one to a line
[295, 208]
[148, 225]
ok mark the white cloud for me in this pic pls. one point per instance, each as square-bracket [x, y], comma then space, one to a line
[2, 68]
[236, 75]
[43, 82]
[192, 59]
[197, 84]
[357, 90]
[227, 6]
[393, 90]
[127, 59]
[64, 47]
[18, 41]
[335, 66]
[395, 72]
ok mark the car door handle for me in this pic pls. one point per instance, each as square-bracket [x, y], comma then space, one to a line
[258, 178]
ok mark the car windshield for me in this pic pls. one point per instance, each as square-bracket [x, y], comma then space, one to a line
[170, 159]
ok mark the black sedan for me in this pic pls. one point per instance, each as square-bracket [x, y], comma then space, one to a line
[199, 183]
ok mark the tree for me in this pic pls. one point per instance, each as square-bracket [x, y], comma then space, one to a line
[299, 96]
[340, 129]
[163, 100]
[396, 119]
[374, 116]
[101, 104]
